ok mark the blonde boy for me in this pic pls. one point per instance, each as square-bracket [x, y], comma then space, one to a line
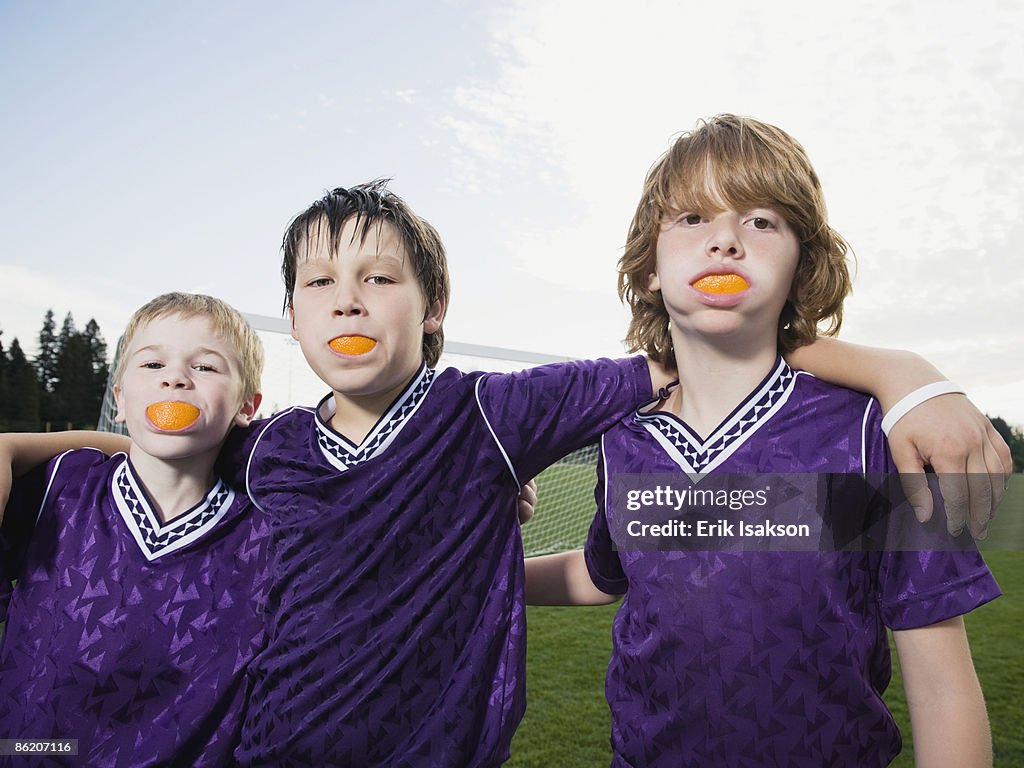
[141, 577]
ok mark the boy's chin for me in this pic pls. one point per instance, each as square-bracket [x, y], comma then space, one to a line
[172, 447]
[369, 381]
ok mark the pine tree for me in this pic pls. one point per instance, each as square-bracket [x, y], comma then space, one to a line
[97, 357]
[75, 382]
[4, 389]
[20, 408]
[46, 360]
[99, 365]
[46, 368]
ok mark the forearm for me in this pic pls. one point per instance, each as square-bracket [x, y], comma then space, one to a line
[952, 731]
[562, 579]
[23, 451]
[947, 709]
[888, 374]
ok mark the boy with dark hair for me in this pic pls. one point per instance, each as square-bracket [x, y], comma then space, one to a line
[141, 577]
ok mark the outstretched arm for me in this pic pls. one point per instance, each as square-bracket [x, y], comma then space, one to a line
[947, 709]
[19, 452]
[562, 579]
[946, 432]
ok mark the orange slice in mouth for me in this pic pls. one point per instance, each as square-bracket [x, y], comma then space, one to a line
[172, 416]
[352, 345]
[721, 284]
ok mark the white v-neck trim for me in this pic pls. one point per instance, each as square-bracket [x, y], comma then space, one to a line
[342, 453]
[154, 537]
[698, 457]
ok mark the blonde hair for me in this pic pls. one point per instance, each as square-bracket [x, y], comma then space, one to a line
[224, 319]
[741, 163]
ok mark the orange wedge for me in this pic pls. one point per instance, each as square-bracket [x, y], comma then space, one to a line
[721, 284]
[171, 416]
[352, 345]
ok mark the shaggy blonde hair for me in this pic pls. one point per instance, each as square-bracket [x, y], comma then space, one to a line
[224, 319]
[740, 163]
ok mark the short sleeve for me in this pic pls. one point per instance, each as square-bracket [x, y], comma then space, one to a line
[19, 519]
[599, 552]
[924, 576]
[541, 414]
[28, 496]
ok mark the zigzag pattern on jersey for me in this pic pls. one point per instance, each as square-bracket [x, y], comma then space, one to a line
[696, 457]
[344, 455]
[154, 537]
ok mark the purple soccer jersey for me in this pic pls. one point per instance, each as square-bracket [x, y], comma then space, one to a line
[397, 629]
[762, 658]
[126, 633]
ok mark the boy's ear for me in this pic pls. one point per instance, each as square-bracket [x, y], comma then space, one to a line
[434, 317]
[119, 418]
[291, 321]
[247, 411]
[653, 282]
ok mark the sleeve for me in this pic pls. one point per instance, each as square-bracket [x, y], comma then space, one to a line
[539, 415]
[24, 508]
[233, 458]
[599, 553]
[924, 575]
[20, 518]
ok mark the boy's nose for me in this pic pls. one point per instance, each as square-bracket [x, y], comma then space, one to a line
[175, 379]
[348, 304]
[723, 241]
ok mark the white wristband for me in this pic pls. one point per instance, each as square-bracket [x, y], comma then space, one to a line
[914, 399]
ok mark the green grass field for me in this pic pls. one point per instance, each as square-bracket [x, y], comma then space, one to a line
[567, 721]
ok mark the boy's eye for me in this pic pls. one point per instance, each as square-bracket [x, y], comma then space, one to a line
[204, 367]
[758, 222]
[691, 219]
[379, 280]
[153, 365]
[318, 282]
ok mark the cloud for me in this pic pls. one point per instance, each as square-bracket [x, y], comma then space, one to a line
[26, 294]
[912, 116]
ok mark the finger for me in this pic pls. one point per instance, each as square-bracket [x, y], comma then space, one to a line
[1000, 466]
[914, 482]
[956, 496]
[979, 485]
[998, 479]
[528, 493]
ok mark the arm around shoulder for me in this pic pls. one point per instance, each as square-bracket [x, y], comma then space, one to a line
[29, 449]
[946, 432]
[947, 709]
[20, 452]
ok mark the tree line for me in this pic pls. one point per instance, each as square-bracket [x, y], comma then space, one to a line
[62, 388]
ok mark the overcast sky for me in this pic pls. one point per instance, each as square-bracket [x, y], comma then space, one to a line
[149, 147]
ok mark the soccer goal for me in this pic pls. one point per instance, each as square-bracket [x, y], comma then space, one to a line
[565, 503]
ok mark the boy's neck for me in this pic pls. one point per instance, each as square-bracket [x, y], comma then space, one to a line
[356, 415]
[715, 377]
[174, 486]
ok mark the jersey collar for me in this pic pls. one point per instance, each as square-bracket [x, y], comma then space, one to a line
[155, 537]
[696, 456]
[342, 453]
